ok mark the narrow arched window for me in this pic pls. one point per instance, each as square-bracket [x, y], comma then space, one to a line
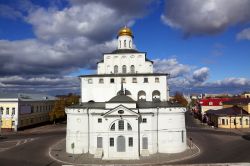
[121, 125]
[125, 43]
[112, 127]
[124, 69]
[115, 69]
[130, 46]
[120, 43]
[132, 69]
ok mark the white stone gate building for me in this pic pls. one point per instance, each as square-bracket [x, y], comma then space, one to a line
[125, 111]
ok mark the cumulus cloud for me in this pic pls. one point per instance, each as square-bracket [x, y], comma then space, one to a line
[52, 85]
[171, 66]
[200, 75]
[244, 34]
[67, 39]
[196, 17]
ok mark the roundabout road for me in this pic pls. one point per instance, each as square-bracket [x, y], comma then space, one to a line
[215, 146]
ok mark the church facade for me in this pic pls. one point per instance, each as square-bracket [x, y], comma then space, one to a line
[125, 111]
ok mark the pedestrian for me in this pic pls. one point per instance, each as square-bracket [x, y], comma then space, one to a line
[191, 142]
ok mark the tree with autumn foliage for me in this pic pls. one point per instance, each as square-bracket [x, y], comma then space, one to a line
[58, 111]
[178, 97]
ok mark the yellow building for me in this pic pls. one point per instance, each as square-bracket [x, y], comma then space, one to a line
[245, 95]
[240, 102]
[21, 110]
[230, 117]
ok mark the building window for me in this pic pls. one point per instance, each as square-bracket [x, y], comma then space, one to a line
[134, 80]
[182, 136]
[145, 80]
[124, 69]
[157, 80]
[123, 80]
[121, 125]
[112, 80]
[141, 95]
[125, 43]
[13, 111]
[120, 43]
[130, 141]
[111, 142]
[246, 121]
[101, 81]
[156, 95]
[223, 121]
[240, 121]
[144, 120]
[90, 81]
[129, 126]
[130, 46]
[13, 123]
[115, 69]
[112, 127]
[7, 111]
[132, 69]
[99, 120]
[1, 109]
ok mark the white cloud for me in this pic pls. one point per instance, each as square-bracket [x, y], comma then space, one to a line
[197, 17]
[244, 34]
[67, 39]
[171, 66]
[200, 75]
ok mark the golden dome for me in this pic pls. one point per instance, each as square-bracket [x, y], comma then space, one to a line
[125, 31]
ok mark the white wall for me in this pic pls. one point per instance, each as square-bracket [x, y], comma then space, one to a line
[171, 123]
[128, 59]
[104, 92]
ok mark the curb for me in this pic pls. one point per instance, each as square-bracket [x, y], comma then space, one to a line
[156, 163]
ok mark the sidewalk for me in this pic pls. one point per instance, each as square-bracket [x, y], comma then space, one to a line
[58, 153]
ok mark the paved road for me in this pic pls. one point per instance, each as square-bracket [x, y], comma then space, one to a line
[31, 153]
[216, 146]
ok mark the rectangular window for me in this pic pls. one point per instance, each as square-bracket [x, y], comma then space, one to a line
[123, 80]
[157, 80]
[144, 120]
[7, 111]
[112, 80]
[223, 121]
[121, 125]
[99, 142]
[111, 142]
[101, 81]
[13, 123]
[1, 109]
[13, 111]
[90, 81]
[99, 120]
[145, 80]
[134, 80]
[240, 121]
[130, 141]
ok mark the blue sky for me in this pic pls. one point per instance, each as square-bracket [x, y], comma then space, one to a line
[204, 45]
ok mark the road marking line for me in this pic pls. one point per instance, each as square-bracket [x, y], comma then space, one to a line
[18, 143]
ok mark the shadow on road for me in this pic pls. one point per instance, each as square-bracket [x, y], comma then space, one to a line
[246, 137]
